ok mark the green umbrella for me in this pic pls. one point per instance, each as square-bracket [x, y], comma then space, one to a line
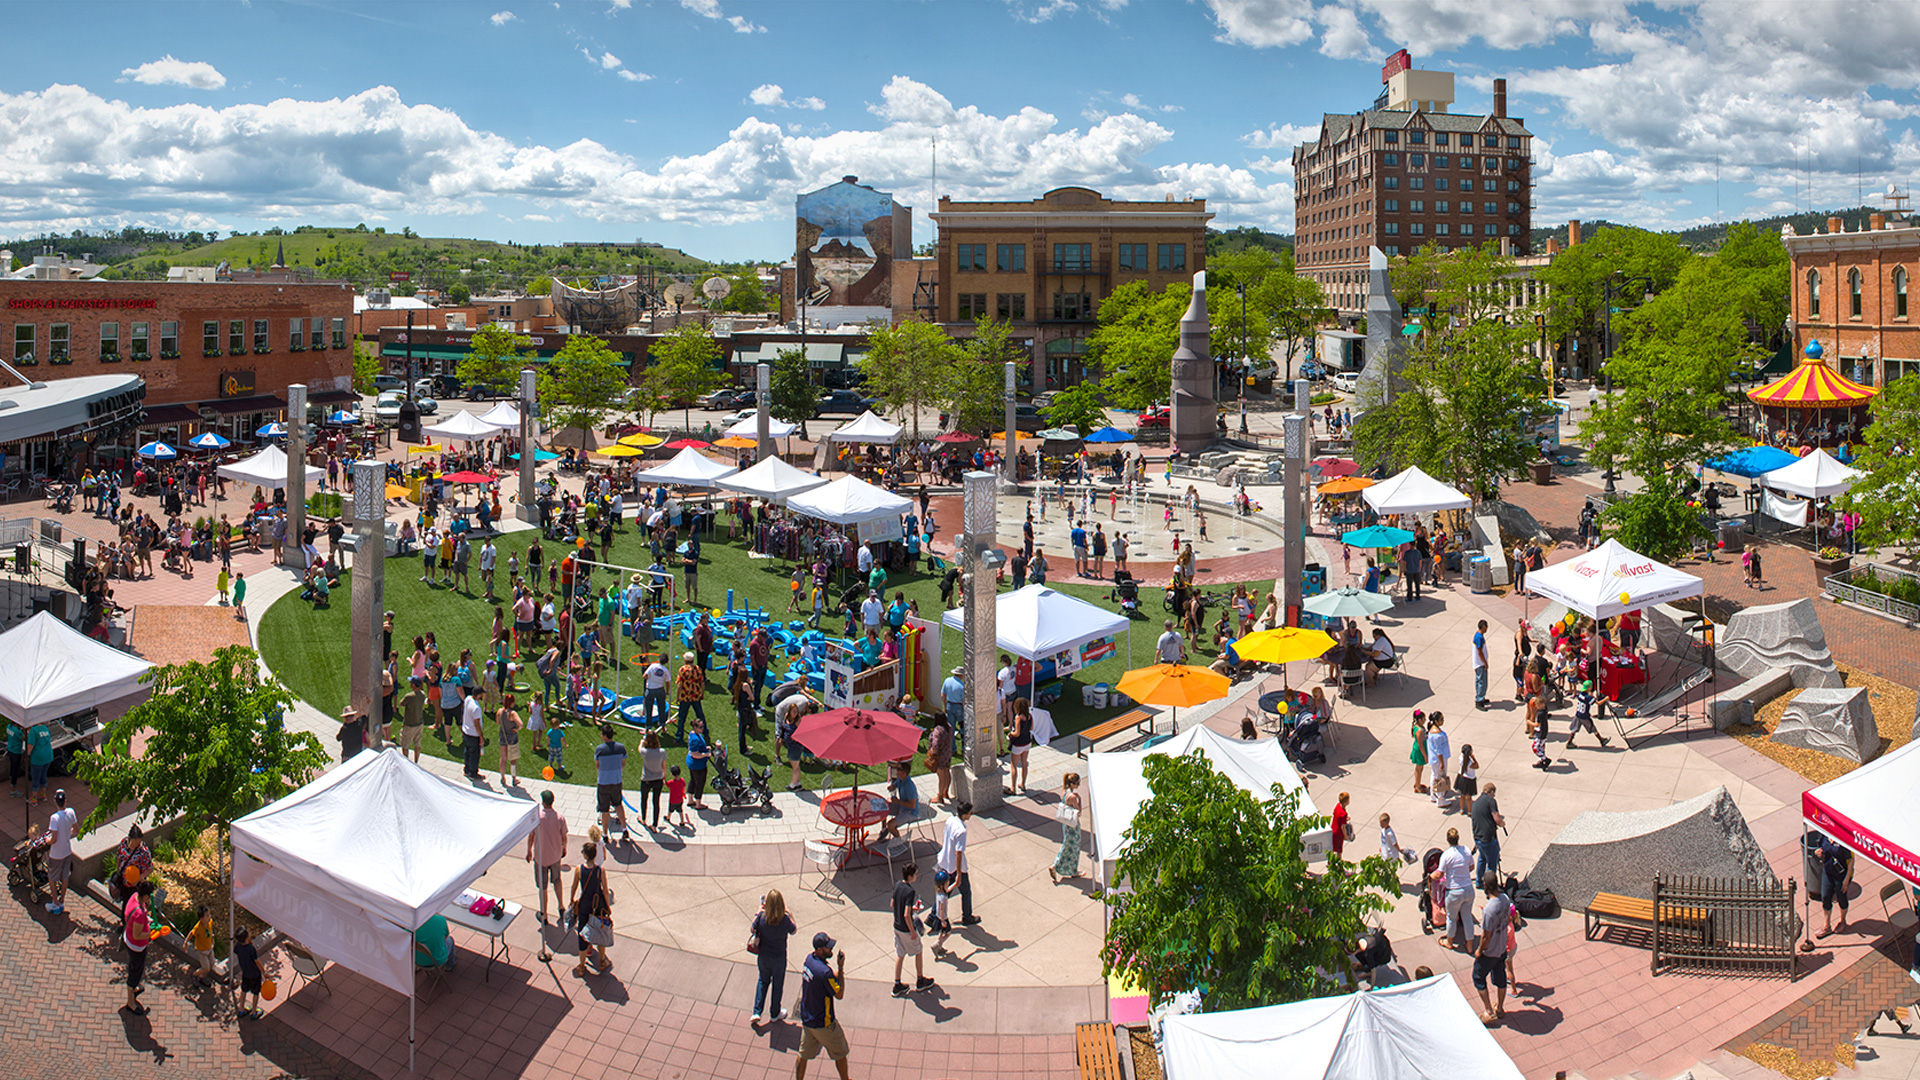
[1347, 603]
[1060, 434]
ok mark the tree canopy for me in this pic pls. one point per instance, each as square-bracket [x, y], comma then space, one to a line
[791, 388]
[581, 385]
[909, 367]
[685, 367]
[495, 356]
[1887, 496]
[1077, 407]
[1134, 342]
[976, 397]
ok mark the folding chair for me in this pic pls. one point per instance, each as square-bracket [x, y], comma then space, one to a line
[828, 859]
[1351, 679]
[1890, 890]
[308, 968]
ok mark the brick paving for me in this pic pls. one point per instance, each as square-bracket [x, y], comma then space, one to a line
[177, 633]
[1834, 1012]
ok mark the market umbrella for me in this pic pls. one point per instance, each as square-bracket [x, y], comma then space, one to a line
[956, 437]
[1019, 436]
[687, 444]
[857, 736]
[342, 416]
[208, 440]
[158, 451]
[618, 450]
[466, 477]
[1173, 685]
[1110, 434]
[538, 456]
[642, 440]
[737, 442]
[1347, 603]
[1376, 536]
[274, 430]
[398, 491]
[1345, 485]
[1060, 434]
[1332, 467]
[1283, 645]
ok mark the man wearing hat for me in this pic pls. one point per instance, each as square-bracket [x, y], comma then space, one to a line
[820, 987]
[954, 693]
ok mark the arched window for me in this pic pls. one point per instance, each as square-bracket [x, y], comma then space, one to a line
[1853, 293]
[1900, 291]
[1813, 293]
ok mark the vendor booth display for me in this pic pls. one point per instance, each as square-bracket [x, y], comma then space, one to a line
[867, 428]
[1413, 492]
[688, 468]
[1813, 405]
[750, 428]
[1875, 811]
[267, 469]
[1607, 582]
[48, 670]
[773, 479]
[1052, 635]
[462, 427]
[1815, 476]
[852, 501]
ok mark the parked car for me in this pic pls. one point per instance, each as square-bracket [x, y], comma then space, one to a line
[1042, 400]
[1028, 418]
[383, 383]
[746, 399]
[386, 408]
[1312, 371]
[844, 401]
[486, 392]
[736, 417]
[1344, 381]
[1155, 417]
[719, 399]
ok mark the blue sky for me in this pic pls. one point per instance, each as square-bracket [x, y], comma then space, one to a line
[694, 122]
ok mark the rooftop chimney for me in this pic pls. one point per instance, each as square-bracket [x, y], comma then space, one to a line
[1500, 97]
[1553, 245]
[1573, 233]
[1834, 226]
[1876, 222]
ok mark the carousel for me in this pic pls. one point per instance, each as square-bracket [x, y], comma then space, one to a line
[1814, 407]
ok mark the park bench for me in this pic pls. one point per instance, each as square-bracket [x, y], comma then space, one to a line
[1132, 718]
[1095, 1051]
[1633, 911]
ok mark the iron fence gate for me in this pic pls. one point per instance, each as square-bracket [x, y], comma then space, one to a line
[1708, 926]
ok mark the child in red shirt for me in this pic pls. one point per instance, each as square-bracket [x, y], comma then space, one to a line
[677, 798]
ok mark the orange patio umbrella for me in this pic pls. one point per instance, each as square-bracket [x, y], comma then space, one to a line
[1173, 685]
[1346, 485]
[737, 442]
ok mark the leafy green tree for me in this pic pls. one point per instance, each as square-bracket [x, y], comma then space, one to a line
[581, 384]
[977, 386]
[909, 367]
[1077, 407]
[790, 385]
[1887, 495]
[366, 364]
[1576, 280]
[685, 368]
[495, 356]
[459, 294]
[540, 286]
[1134, 343]
[1295, 306]
[748, 295]
[1221, 897]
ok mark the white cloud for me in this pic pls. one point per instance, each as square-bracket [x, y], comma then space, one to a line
[1265, 23]
[710, 9]
[1281, 136]
[1342, 36]
[502, 18]
[770, 95]
[536, 217]
[610, 62]
[742, 26]
[167, 71]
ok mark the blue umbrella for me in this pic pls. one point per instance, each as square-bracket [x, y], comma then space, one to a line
[158, 451]
[208, 440]
[1376, 536]
[1752, 461]
[274, 430]
[343, 417]
[1110, 434]
[538, 455]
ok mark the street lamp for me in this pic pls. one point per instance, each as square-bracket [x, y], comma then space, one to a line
[1245, 359]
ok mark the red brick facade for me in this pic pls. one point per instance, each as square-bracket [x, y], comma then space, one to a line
[1882, 321]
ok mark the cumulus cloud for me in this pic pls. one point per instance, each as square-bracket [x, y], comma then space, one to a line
[710, 9]
[502, 18]
[770, 95]
[166, 71]
[610, 62]
[1281, 136]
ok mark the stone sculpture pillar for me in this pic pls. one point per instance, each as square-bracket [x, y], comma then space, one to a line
[763, 410]
[368, 544]
[1193, 402]
[1293, 428]
[977, 778]
[1009, 466]
[1380, 377]
[293, 554]
[526, 508]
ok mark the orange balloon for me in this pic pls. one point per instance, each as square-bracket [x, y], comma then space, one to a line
[268, 988]
[162, 931]
[546, 773]
[132, 874]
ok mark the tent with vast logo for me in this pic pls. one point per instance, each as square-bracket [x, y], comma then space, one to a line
[1421, 1030]
[1612, 579]
[268, 469]
[1875, 810]
[353, 863]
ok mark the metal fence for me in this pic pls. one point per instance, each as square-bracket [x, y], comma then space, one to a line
[1842, 586]
[1714, 927]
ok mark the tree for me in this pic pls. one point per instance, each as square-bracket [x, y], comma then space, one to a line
[495, 356]
[685, 368]
[1221, 896]
[366, 364]
[1134, 343]
[977, 387]
[540, 286]
[459, 294]
[909, 367]
[1576, 279]
[1887, 495]
[1077, 407]
[748, 295]
[791, 388]
[581, 384]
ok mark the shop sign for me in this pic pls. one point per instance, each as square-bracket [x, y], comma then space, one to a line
[236, 384]
[19, 303]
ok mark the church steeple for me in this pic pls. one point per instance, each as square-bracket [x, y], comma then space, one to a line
[280, 256]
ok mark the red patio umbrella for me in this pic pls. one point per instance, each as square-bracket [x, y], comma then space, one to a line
[686, 444]
[857, 736]
[957, 437]
[1332, 468]
[466, 477]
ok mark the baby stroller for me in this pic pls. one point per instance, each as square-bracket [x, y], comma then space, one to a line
[734, 790]
[1305, 745]
[28, 866]
[1433, 900]
[1126, 591]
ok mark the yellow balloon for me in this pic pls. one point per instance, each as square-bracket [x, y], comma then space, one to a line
[1625, 599]
[1282, 708]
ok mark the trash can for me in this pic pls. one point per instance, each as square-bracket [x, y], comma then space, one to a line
[1732, 538]
[1100, 692]
[1542, 472]
[1480, 574]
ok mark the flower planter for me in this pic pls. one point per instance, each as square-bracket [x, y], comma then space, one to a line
[1542, 472]
[1826, 568]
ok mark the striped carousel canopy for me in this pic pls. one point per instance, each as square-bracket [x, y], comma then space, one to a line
[1813, 385]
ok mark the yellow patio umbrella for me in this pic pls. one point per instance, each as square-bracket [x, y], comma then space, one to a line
[1018, 437]
[1173, 685]
[738, 442]
[1346, 485]
[642, 440]
[617, 450]
[398, 491]
[430, 448]
[1283, 645]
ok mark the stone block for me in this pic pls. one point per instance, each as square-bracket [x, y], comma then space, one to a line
[1785, 635]
[1667, 626]
[1516, 521]
[1838, 722]
[1619, 852]
[1737, 706]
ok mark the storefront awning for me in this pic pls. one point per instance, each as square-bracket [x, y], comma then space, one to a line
[84, 402]
[421, 352]
[256, 403]
[165, 415]
[332, 397]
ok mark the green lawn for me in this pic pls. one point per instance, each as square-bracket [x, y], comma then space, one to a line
[307, 648]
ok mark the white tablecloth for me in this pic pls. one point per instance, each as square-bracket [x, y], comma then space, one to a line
[1043, 730]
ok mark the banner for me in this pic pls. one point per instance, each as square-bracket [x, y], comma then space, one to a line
[1791, 511]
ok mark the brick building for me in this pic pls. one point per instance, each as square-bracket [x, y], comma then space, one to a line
[212, 356]
[1045, 266]
[1407, 173]
[1851, 291]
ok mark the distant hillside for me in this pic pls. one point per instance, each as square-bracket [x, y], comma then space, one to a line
[1246, 236]
[1708, 238]
[1559, 233]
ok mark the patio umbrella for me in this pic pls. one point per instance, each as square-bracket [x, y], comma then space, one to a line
[1110, 434]
[1332, 467]
[956, 437]
[466, 477]
[737, 442]
[538, 456]
[857, 736]
[274, 430]
[158, 451]
[1173, 685]
[1345, 485]
[618, 450]
[1376, 536]
[1060, 434]
[1283, 645]
[1347, 603]
[208, 440]
[398, 491]
[642, 440]
[687, 444]
[342, 416]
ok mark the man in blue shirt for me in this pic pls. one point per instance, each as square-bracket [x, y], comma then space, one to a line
[820, 987]
[1480, 666]
[609, 762]
[1078, 537]
[954, 693]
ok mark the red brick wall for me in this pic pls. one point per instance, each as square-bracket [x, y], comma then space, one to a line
[1877, 328]
[193, 377]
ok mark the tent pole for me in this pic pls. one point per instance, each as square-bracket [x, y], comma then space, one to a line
[412, 996]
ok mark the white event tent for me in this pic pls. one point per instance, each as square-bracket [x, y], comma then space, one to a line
[1815, 476]
[1036, 622]
[1612, 579]
[848, 501]
[774, 479]
[462, 426]
[1415, 1031]
[353, 863]
[49, 670]
[1413, 492]
[1874, 810]
[503, 415]
[268, 469]
[688, 468]
[750, 428]
[868, 428]
[1117, 785]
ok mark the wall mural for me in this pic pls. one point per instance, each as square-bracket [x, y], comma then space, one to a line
[844, 246]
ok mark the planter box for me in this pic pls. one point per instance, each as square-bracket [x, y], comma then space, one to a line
[1542, 472]
[1841, 586]
[1826, 568]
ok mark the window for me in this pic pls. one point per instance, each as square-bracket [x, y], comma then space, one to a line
[24, 336]
[1010, 257]
[1416, 136]
[139, 337]
[59, 341]
[317, 338]
[1466, 229]
[1513, 230]
[1072, 306]
[1440, 229]
[210, 337]
[1487, 140]
[1513, 185]
[1418, 161]
[1853, 293]
[1512, 143]
[109, 341]
[1393, 249]
[1418, 206]
[1391, 205]
[1417, 183]
[296, 334]
[1439, 183]
[237, 337]
[1417, 229]
[1466, 185]
[1073, 257]
[169, 339]
[260, 344]
[1389, 159]
[1134, 256]
[1512, 208]
[1813, 293]
[1173, 256]
[1393, 228]
[340, 333]
[1900, 292]
[1011, 307]
[970, 257]
[1466, 163]
[1392, 137]
[1392, 183]
[1440, 206]
[1513, 164]
[1440, 138]
[1439, 161]
[971, 305]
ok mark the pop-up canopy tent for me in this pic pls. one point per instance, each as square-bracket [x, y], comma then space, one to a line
[772, 478]
[750, 428]
[1751, 461]
[268, 469]
[849, 500]
[1413, 492]
[49, 670]
[1417, 1031]
[688, 468]
[353, 863]
[504, 415]
[1117, 783]
[464, 427]
[1036, 622]
[1815, 476]
[1875, 810]
[1612, 579]
[867, 428]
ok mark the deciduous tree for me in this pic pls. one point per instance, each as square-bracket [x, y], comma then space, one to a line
[1077, 407]
[791, 388]
[1134, 342]
[495, 356]
[977, 387]
[581, 385]
[1887, 496]
[685, 367]
[909, 367]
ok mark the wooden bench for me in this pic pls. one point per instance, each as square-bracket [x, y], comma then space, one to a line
[1132, 718]
[1095, 1052]
[1633, 911]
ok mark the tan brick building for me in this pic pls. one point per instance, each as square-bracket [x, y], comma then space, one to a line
[1853, 291]
[1045, 266]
